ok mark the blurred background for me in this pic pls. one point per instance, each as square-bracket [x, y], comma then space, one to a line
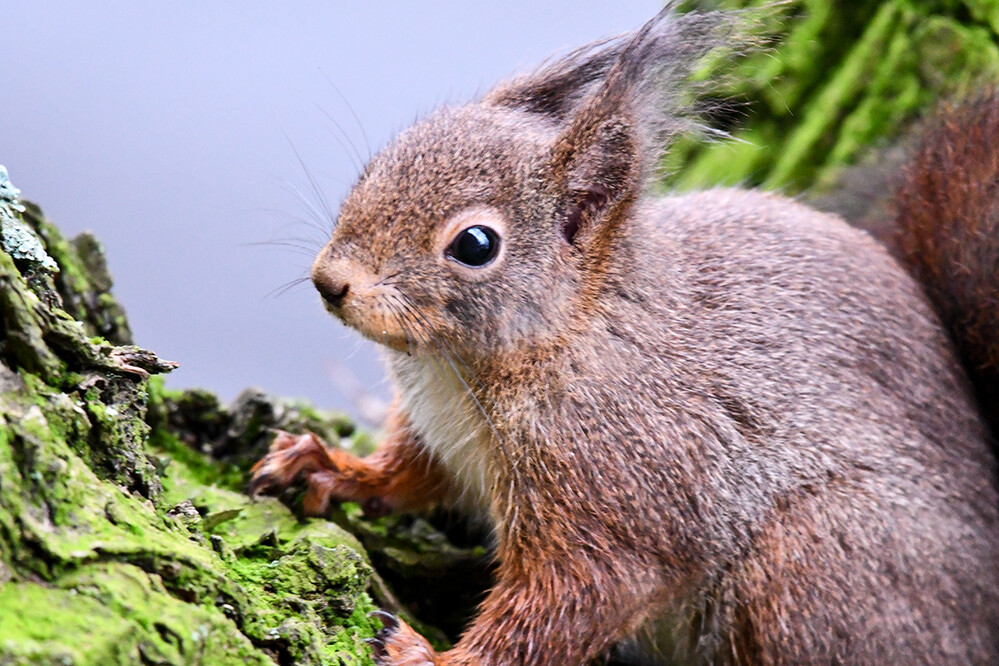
[204, 142]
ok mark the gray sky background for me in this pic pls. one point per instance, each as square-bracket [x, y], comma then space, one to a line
[167, 129]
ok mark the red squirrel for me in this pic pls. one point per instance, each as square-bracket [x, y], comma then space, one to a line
[716, 427]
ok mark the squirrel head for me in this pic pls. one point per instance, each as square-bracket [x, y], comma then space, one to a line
[489, 225]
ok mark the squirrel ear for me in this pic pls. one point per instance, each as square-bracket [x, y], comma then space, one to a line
[618, 131]
[663, 51]
[615, 106]
[599, 170]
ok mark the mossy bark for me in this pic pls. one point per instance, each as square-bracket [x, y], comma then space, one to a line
[124, 534]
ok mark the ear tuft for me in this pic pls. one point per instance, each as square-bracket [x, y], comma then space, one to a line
[646, 68]
[558, 87]
[647, 86]
[616, 123]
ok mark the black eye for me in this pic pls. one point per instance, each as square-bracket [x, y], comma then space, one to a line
[475, 246]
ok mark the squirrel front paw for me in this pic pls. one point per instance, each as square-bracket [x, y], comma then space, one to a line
[329, 475]
[396, 644]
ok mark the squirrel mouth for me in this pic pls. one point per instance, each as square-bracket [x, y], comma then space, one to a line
[377, 311]
[390, 339]
[377, 325]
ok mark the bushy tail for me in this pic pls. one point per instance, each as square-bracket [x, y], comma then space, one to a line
[946, 212]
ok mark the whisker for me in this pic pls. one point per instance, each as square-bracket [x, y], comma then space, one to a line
[294, 220]
[386, 281]
[356, 158]
[402, 324]
[302, 241]
[360, 125]
[291, 244]
[312, 181]
[315, 213]
[453, 351]
[425, 339]
[286, 287]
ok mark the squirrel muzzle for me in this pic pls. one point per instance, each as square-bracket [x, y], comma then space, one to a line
[359, 299]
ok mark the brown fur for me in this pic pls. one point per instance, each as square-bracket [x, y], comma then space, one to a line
[947, 221]
[719, 427]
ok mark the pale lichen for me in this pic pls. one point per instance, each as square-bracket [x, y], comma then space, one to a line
[16, 238]
[22, 244]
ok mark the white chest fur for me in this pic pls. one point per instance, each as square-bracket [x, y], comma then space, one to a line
[450, 423]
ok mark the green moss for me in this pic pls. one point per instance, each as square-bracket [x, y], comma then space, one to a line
[836, 85]
[164, 587]
[985, 11]
[42, 625]
[97, 563]
[312, 600]
[24, 343]
[117, 613]
[172, 630]
[335, 425]
[67, 510]
[197, 467]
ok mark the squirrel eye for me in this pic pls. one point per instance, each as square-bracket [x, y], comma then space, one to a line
[475, 246]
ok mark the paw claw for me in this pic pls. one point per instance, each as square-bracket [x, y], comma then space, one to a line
[259, 484]
[328, 475]
[282, 440]
[388, 620]
[396, 644]
[377, 646]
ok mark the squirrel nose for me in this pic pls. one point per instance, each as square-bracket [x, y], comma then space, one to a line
[331, 289]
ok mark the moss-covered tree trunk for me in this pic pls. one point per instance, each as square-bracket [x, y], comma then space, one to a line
[838, 80]
[112, 550]
[124, 534]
